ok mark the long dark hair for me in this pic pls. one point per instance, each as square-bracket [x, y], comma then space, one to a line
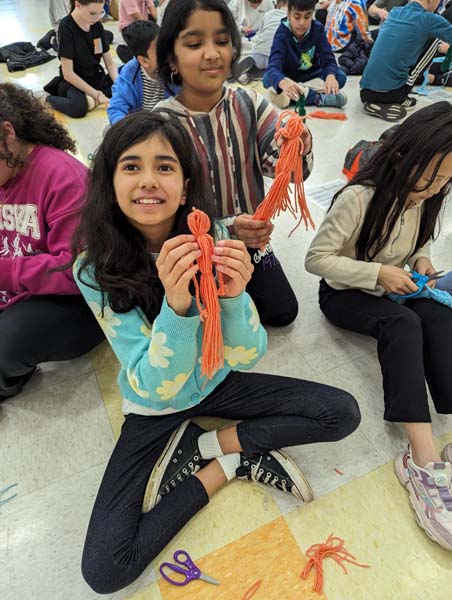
[31, 121]
[115, 252]
[394, 171]
[175, 20]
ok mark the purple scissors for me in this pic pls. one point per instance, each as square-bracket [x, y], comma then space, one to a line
[186, 567]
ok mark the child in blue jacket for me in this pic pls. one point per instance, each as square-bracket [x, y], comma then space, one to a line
[136, 87]
[300, 53]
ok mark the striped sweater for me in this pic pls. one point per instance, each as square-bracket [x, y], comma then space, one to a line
[236, 146]
[345, 17]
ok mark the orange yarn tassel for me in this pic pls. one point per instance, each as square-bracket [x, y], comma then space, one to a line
[206, 293]
[332, 548]
[289, 168]
[321, 114]
[252, 590]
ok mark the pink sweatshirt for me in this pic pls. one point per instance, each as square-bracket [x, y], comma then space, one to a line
[38, 214]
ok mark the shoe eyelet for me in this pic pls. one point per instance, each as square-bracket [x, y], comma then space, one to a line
[283, 481]
[174, 460]
[179, 451]
[246, 463]
[196, 458]
[269, 457]
[185, 471]
[179, 476]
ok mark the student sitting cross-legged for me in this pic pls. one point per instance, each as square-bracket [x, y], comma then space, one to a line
[299, 54]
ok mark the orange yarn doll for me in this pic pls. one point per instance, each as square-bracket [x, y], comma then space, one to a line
[289, 169]
[206, 293]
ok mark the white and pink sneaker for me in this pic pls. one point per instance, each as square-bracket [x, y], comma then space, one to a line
[430, 495]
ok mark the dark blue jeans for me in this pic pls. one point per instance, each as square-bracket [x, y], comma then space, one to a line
[42, 329]
[274, 411]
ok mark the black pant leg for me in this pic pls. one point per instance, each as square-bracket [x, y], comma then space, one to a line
[41, 329]
[391, 97]
[400, 345]
[436, 322]
[73, 103]
[270, 289]
[276, 411]
[121, 540]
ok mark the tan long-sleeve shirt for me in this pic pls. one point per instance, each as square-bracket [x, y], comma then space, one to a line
[332, 253]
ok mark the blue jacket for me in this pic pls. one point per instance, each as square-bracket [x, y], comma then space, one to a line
[299, 60]
[399, 44]
[127, 92]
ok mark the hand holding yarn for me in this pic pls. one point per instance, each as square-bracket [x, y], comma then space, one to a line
[176, 268]
[254, 234]
[232, 260]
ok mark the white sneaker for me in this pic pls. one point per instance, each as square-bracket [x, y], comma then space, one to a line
[430, 496]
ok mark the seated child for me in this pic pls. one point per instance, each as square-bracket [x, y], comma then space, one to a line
[346, 19]
[136, 269]
[83, 83]
[389, 74]
[262, 42]
[131, 11]
[249, 14]
[43, 317]
[136, 86]
[384, 220]
[300, 53]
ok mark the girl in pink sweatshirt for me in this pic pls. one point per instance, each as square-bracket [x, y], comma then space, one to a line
[42, 315]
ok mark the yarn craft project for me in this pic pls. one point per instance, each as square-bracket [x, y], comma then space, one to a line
[289, 169]
[440, 296]
[206, 295]
[333, 548]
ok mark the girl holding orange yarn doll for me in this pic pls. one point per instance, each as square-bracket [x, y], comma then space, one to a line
[234, 135]
[136, 268]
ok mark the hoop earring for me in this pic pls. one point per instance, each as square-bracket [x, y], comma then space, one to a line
[172, 77]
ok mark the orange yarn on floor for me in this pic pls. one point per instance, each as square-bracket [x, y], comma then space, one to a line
[321, 114]
[289, 169]
[206, 293]
[252, 590]
[332, 548]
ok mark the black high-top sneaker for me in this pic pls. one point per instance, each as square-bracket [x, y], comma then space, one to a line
[277, 469]
[179, 460]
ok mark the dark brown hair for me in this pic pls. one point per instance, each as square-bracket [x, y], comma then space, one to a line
[31, 121]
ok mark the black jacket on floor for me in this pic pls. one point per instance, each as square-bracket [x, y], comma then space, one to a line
[23, 55]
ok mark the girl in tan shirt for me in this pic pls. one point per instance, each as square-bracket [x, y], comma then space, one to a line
[382, 221]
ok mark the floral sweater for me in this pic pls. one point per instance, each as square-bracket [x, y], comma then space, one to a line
[160, 363]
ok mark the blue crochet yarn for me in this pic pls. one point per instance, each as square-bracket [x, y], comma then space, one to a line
[438, 295]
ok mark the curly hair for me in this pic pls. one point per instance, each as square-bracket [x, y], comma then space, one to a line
[31, 121]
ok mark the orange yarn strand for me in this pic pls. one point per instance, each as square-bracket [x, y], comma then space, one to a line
[252, 590]
[321, 114]
[206, 293]
[332, 548]
[289, 168]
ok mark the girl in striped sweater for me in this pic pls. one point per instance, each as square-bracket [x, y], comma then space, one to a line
[233, 131]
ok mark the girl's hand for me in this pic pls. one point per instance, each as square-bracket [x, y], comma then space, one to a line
[331, 85]
[424, 267]
[176, 270]
[396, 281]
[254, 234]
[231, 258]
